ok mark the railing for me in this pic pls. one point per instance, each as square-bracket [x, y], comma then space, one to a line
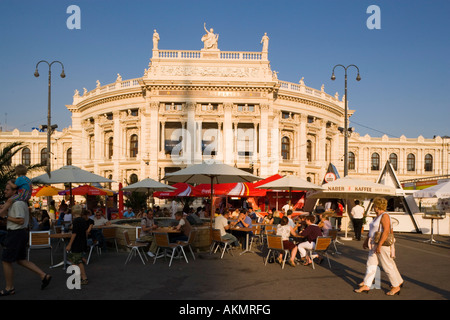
[107, 88]
[223, 55]
[307, 90]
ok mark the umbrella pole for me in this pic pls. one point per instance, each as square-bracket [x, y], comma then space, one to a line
[212, 209]
[347, 220]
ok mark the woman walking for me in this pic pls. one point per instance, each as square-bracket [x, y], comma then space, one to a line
[379, 253]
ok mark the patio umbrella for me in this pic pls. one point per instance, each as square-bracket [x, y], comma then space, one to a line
[69, 174]
[291, 183]
[347, 187]
[45, 191]
[148, 186]
[212, 173]
[181, 190]
[87, 190]
[441, 190]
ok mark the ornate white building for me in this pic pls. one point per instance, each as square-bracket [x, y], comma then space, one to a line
[190, 106]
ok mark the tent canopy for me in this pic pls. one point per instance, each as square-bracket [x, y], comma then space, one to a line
[441, 191]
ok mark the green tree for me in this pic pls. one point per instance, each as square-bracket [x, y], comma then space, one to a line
[7, 169]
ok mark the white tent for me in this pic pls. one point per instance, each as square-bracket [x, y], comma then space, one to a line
[441, 190]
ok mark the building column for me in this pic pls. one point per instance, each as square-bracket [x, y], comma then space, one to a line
[227, 150]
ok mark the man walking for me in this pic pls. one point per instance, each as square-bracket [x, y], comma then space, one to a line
[15, 249]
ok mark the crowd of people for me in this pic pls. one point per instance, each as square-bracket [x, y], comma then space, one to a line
[298, 235]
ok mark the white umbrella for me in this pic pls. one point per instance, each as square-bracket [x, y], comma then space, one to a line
[70, 174]
[347, 187]
[291, 183]
[441, 190]
[148, 185]
[211, 173]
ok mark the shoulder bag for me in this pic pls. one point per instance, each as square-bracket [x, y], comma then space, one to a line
[390, 239]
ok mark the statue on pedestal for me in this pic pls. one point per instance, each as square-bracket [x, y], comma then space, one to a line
[155, 40]
[210, 39]
[265, 42]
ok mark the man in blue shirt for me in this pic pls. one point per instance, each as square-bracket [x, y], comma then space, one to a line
[128, 213]
[244, 221]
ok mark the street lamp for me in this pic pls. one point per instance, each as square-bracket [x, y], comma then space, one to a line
[50, 128]
[345, 130]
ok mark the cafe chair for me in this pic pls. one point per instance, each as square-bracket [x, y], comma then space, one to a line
[217, 242]
[162, 241]
[92, 245]
[268, 229]
[138, 232]
[110, 234]
[135, 248]
[333, 234]
[188, 243]
[275, 244]
[257, 235]
[40, 240]
[322, 245]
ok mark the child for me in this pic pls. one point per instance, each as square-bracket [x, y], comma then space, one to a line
[78, 242]
[23, 184]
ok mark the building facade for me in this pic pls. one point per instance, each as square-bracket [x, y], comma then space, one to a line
[193, 106]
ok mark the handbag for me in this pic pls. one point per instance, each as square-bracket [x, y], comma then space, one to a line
[390, 238]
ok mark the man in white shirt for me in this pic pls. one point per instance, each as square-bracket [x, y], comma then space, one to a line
[15, 249]
[357, 219]
[221, 223]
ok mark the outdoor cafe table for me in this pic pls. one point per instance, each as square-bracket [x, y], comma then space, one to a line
[247, 236]
[62, 237]
[433, 217]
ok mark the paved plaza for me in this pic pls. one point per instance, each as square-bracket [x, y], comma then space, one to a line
[424, 267]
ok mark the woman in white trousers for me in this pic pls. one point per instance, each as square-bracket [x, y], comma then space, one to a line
[380, 254]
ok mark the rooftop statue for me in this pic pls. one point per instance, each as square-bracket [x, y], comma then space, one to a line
[210, 39]
[155, 40]
[265, 42]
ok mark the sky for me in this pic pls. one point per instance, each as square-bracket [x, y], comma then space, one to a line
[404, 64]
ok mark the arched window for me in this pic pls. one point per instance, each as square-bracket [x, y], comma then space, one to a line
[133, 146]
[26, 156]
[133, 178]
[44, 156]
[393, 159]
[411, 162]
[375, 161]
[428, 162]
[110, 151]
[285, 147]
[351, 161]
[309, 150]
[69, 157]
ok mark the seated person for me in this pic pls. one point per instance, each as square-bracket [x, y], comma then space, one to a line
[276, 217]
[184, 226]
[97, 234]
[325, 224]
[44, 225]
[310, 234]
[128, 213]
[147, 226]
[285, 231]
[221, 222]
[243, 221]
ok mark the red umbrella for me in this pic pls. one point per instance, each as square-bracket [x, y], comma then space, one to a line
[182, 190]
[87, 190]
